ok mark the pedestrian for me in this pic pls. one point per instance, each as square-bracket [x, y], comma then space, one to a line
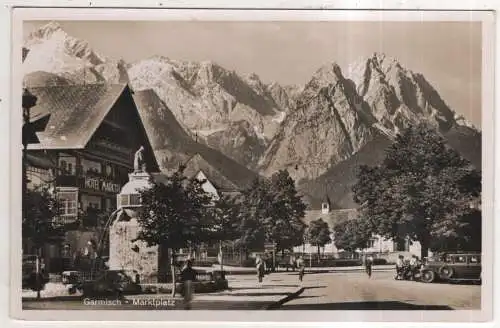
[368, 265]
[400, 267]
[292, 263]
[301, 266]
[261, 267]
[188, 276]
[414, 265]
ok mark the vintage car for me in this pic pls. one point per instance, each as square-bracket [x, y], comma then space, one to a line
[105, 283]
[452, 267]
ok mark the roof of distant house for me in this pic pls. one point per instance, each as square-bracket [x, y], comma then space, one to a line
[220, 181]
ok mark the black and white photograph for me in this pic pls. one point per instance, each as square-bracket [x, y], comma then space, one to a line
[253, 164]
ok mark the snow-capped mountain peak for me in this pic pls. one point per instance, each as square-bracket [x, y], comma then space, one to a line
[44, 32]
[52, 50]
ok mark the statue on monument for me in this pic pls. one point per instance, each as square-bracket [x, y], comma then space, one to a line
[139, 161]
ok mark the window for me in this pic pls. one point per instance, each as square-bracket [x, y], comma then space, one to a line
[91, 166]
[129, 200]
[371, 243]
[475, 259]
[135, 199]
[67, 164]
[109, 170]
[68, 204]
[91, 202]
[64, 166]
[457, 259]
[122, 200]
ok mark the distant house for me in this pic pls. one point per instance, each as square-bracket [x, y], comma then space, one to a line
[375, 245]
[215, 181]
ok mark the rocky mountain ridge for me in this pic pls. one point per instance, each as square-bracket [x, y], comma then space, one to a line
[331, 121]
[336, 115]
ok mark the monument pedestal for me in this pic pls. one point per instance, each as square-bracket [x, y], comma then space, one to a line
[134, 257]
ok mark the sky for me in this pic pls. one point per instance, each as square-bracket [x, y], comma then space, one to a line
[448, 54]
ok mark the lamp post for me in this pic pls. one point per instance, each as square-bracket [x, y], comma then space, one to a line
[29, 101]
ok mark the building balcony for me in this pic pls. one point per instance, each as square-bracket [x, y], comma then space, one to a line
[67, 181]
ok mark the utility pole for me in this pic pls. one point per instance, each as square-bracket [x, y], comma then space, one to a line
[221, 258]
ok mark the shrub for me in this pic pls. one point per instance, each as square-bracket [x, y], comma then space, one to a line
[380, 262]
[200, 263]
[248, 263]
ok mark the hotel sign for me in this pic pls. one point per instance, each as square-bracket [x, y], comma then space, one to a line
[100, 184]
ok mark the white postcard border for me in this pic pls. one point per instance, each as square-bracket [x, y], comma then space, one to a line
[296, 316]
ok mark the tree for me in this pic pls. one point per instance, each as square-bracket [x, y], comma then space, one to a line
[284, 224]
[422, 189]
[38, 226]
[226, 215]
[255, 200]
[174, 215]
[272, 211]
[318, 234]
[463, 234]
[351, 234]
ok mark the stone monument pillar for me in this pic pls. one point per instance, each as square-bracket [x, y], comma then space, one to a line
[134, 257]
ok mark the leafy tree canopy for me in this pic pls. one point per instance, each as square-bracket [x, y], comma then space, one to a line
[351, 234]
[318, 233]
[226, 218]
[40, 209]
[272, 211]
[174, 213]
[422, 189]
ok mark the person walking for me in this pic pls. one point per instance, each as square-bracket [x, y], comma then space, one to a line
[368, 265]
[414, 266]
[261, 267]
[400, 267]
[301, 266]
[188, 276]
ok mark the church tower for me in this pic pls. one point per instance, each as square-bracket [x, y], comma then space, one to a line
[325, 205]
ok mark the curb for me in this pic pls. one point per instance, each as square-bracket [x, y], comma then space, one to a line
[285, 299]
[238, 273]
[346, 271]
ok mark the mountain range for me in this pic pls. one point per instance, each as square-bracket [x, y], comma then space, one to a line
[320, 131]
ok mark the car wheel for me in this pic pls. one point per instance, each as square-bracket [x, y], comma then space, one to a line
[445, 272]
[428, 276]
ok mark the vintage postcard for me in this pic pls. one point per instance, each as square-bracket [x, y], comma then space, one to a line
[263, 165]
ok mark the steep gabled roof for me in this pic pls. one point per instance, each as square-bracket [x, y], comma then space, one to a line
[197, 163]
[326, 200]
[75, 111]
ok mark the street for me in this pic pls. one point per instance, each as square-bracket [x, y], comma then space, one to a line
[322, 291]
[355, 291]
